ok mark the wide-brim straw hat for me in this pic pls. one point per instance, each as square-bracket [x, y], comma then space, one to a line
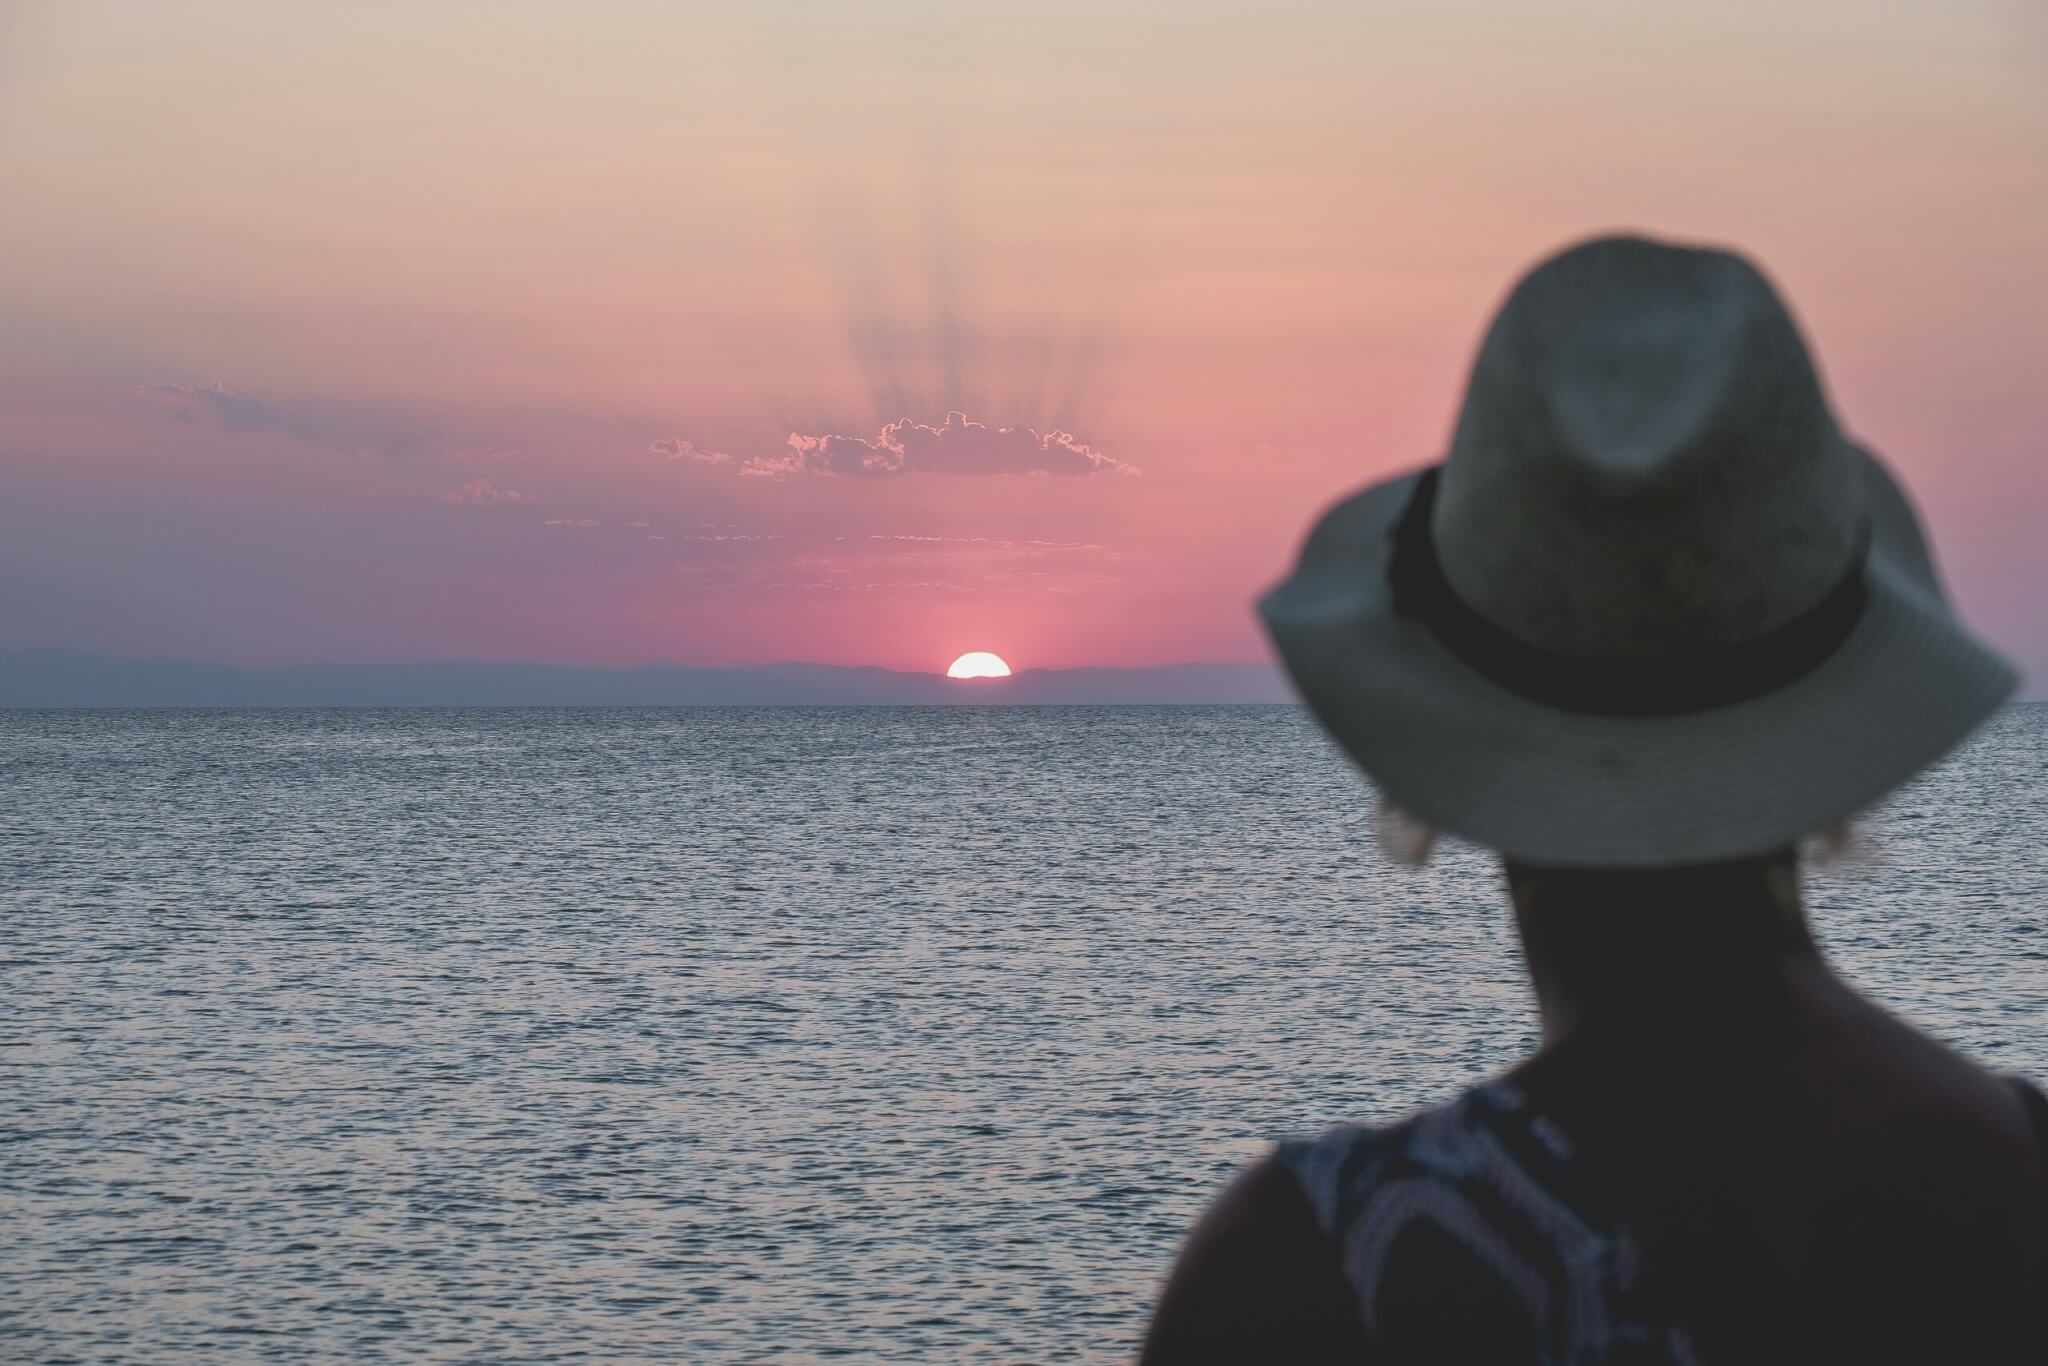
[1653, 608]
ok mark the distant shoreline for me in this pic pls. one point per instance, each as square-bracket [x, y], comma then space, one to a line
[67, 680]
[226, 707]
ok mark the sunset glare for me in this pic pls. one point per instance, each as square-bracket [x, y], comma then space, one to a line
[978, 664]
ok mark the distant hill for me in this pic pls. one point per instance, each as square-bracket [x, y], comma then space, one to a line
[65, 678]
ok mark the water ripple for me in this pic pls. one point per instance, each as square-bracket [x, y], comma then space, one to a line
[759, 1035]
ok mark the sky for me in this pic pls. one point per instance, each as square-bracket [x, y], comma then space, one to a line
[872, 333]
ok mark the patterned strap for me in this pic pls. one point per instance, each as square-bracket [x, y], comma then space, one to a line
[1482, 1202]
[1489, 1185]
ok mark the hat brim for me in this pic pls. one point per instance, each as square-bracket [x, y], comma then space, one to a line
[1545, 785]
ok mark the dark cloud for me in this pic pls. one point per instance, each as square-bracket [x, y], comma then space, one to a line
[959, 447]
[355, 432]
[226, 407]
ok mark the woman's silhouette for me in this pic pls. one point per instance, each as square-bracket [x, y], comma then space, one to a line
[1651, 624]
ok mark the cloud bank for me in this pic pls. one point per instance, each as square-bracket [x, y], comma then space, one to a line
[960, 447]
[675, 448]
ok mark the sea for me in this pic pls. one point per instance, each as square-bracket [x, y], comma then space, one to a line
[763, 1035]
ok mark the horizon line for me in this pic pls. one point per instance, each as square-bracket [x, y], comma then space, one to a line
[531, 662]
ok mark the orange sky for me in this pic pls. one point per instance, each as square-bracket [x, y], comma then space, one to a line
[392, 332]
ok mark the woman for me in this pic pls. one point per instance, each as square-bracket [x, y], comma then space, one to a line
[1652, 623]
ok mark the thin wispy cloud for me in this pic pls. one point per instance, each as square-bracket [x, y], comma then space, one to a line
[482, 491]
[989, 542]
[858, 577]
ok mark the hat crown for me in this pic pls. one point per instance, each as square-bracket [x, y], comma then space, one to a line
[1645, 463]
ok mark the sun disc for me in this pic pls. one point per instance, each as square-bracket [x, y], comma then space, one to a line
[978, 664]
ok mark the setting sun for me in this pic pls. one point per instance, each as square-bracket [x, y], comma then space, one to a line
[978, 664]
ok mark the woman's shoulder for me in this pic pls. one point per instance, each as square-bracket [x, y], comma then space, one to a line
[1262, 1275]
[1256, 1280]
[2036, 1106]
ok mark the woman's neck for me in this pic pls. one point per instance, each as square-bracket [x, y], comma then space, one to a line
[1616, 943]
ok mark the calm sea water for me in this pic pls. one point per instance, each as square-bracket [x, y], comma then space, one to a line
[767, 1035]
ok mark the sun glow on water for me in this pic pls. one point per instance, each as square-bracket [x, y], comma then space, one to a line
[978, 664]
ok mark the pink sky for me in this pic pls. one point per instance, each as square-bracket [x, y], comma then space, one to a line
[554, 332]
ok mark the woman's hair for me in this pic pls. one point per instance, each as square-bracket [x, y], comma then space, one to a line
[1407, 839]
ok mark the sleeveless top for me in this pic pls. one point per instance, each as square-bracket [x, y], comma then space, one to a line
[1469, 1232]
